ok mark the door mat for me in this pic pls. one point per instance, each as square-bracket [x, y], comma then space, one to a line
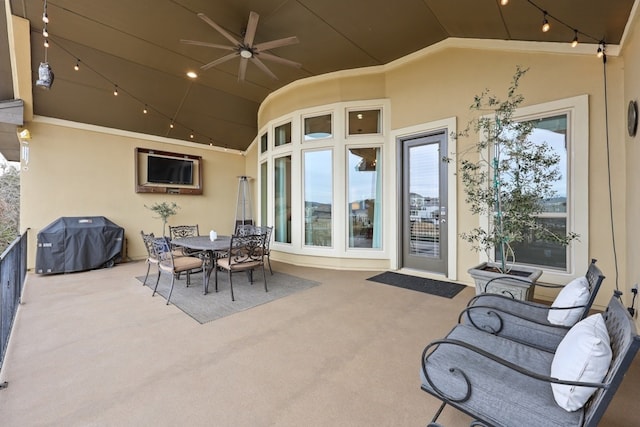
[420, 284]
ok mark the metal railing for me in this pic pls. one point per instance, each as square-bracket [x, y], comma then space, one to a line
[13, 270]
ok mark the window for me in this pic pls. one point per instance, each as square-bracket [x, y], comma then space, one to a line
[363, 122]
[282, 134]
[318, 127]
[365, 198]
[264, 146]
[552, 131]
[282, 199]
[318, 197]
[264, 170]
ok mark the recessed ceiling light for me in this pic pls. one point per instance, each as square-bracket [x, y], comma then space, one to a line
[191, 74]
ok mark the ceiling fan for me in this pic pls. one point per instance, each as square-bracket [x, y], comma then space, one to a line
[245, 49]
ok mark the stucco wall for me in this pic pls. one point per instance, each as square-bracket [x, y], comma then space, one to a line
[441, 82]
[631, 145]
[90, 171]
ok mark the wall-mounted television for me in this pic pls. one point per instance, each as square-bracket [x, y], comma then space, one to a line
[169, 170]
[164, 172]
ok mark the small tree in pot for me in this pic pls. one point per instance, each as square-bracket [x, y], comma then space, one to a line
[507, 178]
[164, 210]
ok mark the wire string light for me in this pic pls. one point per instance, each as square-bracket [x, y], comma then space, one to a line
[546, 26]
[191, 134]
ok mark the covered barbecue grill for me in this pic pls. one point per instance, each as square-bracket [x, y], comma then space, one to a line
[78, 243]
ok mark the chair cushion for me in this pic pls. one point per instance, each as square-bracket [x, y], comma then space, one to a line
[186, 263]
[247, 265]
[575, 293]
[584, 354]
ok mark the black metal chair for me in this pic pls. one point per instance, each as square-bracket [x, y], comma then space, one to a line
[246, 253]
[178, 231]
[267, 230]
[174, 265]
[152, 257]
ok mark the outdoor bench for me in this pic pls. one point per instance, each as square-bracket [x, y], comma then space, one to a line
[501, 382]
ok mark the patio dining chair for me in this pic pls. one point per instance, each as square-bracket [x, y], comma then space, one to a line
[173, 266]
[246, 253]
[178, 231]
[152, 258]
[267, 230]
[246, 229]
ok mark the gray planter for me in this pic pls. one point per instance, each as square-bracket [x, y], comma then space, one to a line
[517, 286]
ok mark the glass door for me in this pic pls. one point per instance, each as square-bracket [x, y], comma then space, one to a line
[424, 203]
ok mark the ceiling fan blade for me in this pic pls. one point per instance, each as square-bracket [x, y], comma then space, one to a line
[217, 46]
[275, 58]
[242, 71]
[277, 43]
[218, 61]
[221, 30]
[264, 68]
[252, 25]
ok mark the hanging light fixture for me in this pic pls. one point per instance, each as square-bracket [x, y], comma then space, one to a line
[115, 90]
[45, 75]
[545, 23]
[45, 17]
[77, 66]
[574, 42]
[600, 53]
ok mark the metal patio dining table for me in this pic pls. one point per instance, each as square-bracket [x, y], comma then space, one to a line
[210, 251]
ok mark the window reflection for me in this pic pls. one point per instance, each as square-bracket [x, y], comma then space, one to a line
[263, 143]
[363, 122]
[318, 196]
[282, 202]
[552, 131]
[282, 134]
[365, 196]
[263, 193]
[318, 127]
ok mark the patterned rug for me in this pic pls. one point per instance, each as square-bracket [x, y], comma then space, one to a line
[205, 308]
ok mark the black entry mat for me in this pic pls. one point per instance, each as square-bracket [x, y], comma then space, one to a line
[420, 284]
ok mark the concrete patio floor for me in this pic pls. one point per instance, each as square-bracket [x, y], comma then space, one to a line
[95, 349]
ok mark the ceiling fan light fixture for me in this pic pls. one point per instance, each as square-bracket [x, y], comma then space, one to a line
[246, 53]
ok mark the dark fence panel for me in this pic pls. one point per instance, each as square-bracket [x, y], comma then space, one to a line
[13, 270]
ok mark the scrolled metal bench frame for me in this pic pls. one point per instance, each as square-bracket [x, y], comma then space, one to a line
[625, 343]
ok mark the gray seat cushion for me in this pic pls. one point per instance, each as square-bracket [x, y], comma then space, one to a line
[498, 394]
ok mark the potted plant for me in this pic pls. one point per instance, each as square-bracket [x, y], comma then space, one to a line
[506, 178]
[164, 210]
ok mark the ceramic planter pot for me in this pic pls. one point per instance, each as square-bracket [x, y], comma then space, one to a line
[517, 284]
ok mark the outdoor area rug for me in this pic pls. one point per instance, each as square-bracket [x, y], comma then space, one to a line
[205, 308]
[421, 284]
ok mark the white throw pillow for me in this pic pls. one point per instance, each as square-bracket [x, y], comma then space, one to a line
[574, 293]
[584, 354]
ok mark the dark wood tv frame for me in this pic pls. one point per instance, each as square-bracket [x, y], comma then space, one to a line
[143, 186]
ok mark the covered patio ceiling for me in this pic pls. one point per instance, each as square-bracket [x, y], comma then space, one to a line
[135, 47]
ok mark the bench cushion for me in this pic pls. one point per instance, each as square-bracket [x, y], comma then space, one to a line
[497, 392]
[584, 354]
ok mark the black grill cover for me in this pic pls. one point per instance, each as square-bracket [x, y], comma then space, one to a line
[78, 243]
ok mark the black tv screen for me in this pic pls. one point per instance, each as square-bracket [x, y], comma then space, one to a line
[167, 170]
